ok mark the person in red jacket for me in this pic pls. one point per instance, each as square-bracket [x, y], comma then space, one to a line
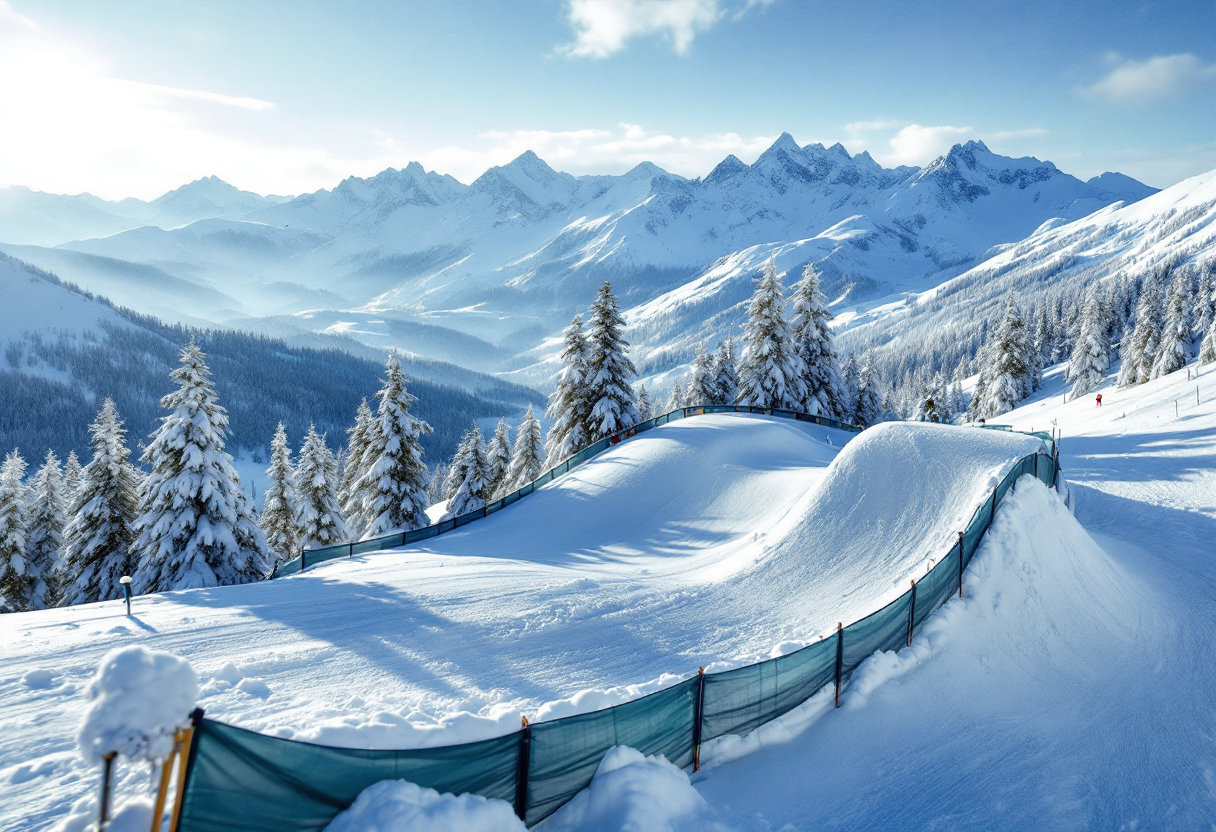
[1099, 400]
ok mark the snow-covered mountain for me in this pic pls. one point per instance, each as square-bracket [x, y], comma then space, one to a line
[508, 259]
[1173, 228]
[36, 218]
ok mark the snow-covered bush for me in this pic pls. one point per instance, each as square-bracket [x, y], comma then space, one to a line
[137, 701]
[392, 805]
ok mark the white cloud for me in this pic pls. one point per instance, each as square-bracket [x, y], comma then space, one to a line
[917, 144]
[604, 27]
[595, 151]
[1139, 82]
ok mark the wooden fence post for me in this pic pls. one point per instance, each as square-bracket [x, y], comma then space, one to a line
[912, 613]
[960, 560]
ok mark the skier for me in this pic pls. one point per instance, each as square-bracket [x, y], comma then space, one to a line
[1099, 400]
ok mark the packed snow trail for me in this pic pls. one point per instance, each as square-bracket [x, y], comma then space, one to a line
[712, 539]
[1071, 689]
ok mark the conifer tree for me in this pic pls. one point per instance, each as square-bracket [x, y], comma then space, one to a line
[195, 527]
[812, 346]
[1091, 351]
[677, 399]
[568, 411]
[527, 457]
[392, 487]
[1175, 347]
[1009, 373]
[1145, 337]
[1205, 313]
[319, 520]
[281, 505]
[71, 478]
[645, 408]
[16, 586]
[609, 371]
[702, 388]
[869, 400]
[101, 522]
[726, 378]
[466, 483]
[44, 532]
[358, 440]
[768, 370]
[1207, 349]
[434, 491]
[850, 383]
[498, 458]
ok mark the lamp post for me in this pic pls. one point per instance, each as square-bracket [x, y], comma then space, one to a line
[125, 580]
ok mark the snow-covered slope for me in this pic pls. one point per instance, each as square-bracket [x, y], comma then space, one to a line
[1175, 227]
[1071, 688]
[512, 256]
[713, 539]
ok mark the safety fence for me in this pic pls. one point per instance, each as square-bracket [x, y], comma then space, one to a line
[311, 557]
[235, 779]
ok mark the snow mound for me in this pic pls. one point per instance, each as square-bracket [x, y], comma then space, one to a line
[632, 793]
[401, 806]
[137, 701]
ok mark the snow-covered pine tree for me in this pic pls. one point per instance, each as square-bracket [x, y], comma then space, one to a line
[45, 521]
[1205, 306]
[609, 371]
[15, 584]
[567, 409]
[319, 520]
[1091, 352]
[676, 399]
[869, 399]
[1145, 336]
[101, 522]
[435, 491]
[195, 527]
[726, 377]
[358, 440]
[498, 458]
[769, 372]
[811, 344]
[702, 389]
[1010, 369]
[527, 457]
[1207, 349]
[466, 483]
[645, 408]
[850, 380]
[281, 502]
[392, 488]
[71, 478]
[1174, 351]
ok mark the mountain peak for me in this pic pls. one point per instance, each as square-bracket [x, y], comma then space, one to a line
[727, 168]
[839, 148]
[784, 142]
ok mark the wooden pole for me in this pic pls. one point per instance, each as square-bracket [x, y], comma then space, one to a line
[166, 777]
[107, 775]
[912, 613]
[521, 779]
[960, 560]
[189, 743]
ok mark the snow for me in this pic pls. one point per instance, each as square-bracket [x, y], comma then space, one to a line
[137, 701]
[1070, 687]
[398, 805]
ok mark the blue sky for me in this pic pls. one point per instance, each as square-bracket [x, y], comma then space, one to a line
[134, 98]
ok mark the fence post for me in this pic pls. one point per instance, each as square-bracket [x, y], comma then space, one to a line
[839, 658]
[303, 559]
[912, 613]
[521, 779]
[189, 749]
[696, 724]
[960, 560]
[992, 513]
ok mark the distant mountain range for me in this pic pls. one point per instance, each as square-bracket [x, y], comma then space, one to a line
[485, 274]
